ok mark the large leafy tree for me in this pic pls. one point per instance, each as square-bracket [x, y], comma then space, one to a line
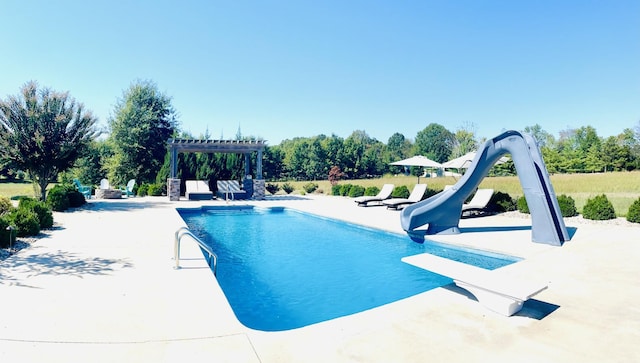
[44, 132]
[143, 121]
[435, 142]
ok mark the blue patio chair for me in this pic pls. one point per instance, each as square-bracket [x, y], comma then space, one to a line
[128, 190]
[84, 189]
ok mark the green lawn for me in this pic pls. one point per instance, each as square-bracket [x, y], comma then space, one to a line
[16, 189]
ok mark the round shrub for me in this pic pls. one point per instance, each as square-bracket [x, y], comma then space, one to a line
[272, 188]
[154, 190]
[41, 209]
[567, 206]
[400, 192]
[598, 208]
[634, 212]
[501, 202]
[5, 206]
[76, 199]
[356, 191]
[344, 189]
[310, 187]
[371, 191]
[142, 190]
[288, 188]
[335, 189]
[58, 198]
[522, 205]
[26, 221]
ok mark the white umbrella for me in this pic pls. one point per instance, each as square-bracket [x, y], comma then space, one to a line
[418, 160]
[465, 161]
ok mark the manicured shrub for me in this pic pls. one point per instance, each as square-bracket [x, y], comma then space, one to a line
[401, 192]
[41, 209]
[371, 191]
[26, 222]
[58, 199]
[598, 208]
[633, 215]
[5, 206]
[356, 191]
[335, 189]
[272, 188]
[154, 190]
[344, 189]
[310, 187]
[288, 188]
[522, 205]
[142, 190]
[76, 199]
[567, 206]
[501, 202]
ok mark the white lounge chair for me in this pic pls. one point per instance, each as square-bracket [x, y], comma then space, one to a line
[494, 289]
[385, 193]
[230, 189]
[197, 190]
[416, 195]
[479, 201]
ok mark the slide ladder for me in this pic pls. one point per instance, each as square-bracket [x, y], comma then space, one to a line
[441, 212]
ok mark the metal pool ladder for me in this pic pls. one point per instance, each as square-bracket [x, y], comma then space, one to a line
[184, 231]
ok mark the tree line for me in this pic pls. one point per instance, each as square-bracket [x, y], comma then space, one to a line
[51, 137]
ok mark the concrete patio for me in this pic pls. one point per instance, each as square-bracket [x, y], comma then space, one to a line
[100, 287]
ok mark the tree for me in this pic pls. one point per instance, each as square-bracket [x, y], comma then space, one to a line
[143, 121]
[435, 142]
[44, 132]
[542, 137]
[464, 141]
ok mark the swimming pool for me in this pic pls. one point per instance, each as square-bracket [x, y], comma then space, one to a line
[282, 269]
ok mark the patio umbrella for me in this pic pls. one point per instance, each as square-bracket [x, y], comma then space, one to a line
[418, 160]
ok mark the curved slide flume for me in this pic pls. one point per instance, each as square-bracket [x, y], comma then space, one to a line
[440, 214]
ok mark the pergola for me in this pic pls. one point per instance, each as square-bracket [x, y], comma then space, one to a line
[245, 147]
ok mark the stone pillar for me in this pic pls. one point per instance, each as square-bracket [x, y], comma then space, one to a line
[173, 189]
[258, 189]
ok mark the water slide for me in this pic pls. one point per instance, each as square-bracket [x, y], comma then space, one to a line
[440, 214]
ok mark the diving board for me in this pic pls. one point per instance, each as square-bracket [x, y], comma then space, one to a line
[493, 289]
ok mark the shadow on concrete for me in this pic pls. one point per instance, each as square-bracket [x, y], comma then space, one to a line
[284, 197]
[495, 229]
[98, 205]
[61, 263]
[532, 308]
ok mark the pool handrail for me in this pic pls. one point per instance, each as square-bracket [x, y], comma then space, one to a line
[184, 231]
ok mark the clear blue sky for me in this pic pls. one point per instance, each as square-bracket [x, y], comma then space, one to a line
[282, 69]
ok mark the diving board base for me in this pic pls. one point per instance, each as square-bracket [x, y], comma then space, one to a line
[492, 288]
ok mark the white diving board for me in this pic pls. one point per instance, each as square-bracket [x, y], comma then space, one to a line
[493, 289]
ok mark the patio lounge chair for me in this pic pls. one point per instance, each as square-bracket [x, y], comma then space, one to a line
[479, 201]
[230, 189]
[197, 190]
[385, 193]
[416, 195]
[84, 189]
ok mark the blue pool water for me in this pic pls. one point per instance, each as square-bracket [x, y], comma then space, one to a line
[281, 269]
